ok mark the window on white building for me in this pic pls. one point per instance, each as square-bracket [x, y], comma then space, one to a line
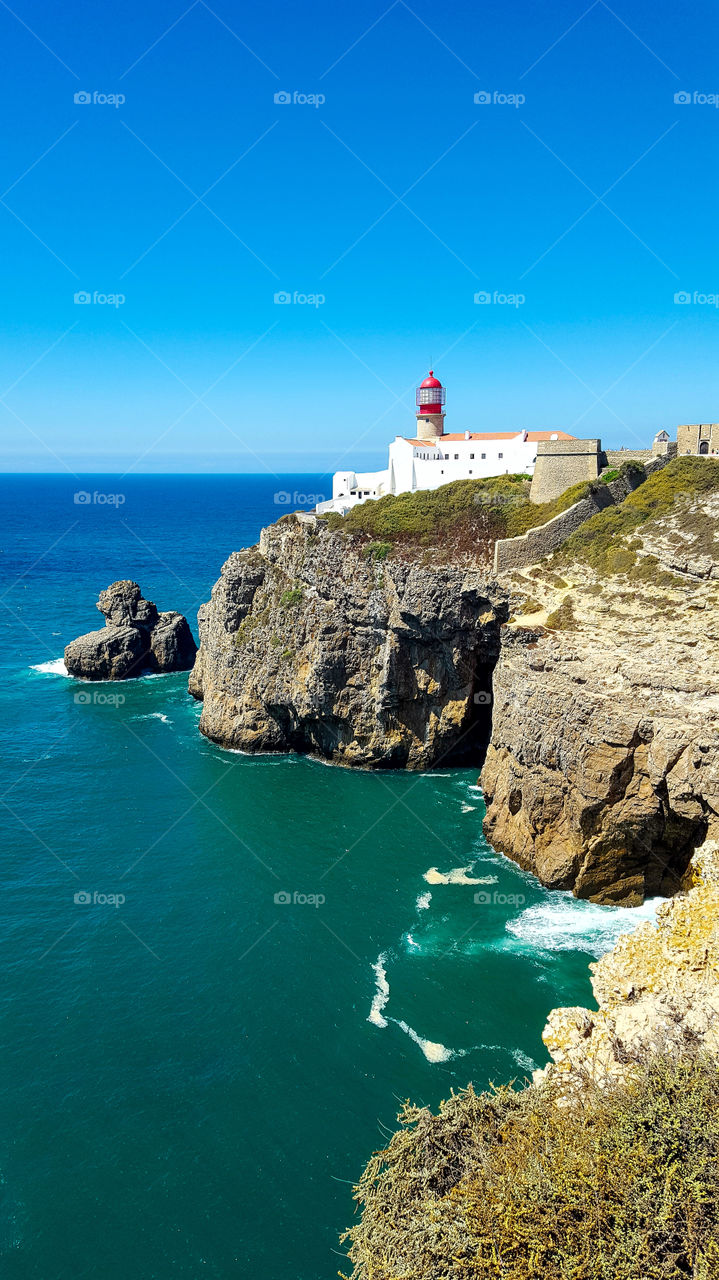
[500, 455]
[471, 456]
[483, 456]
[456, 457]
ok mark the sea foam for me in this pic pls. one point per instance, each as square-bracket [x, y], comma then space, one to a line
[432, 1050]
[381, 995]
[569, 924]
[458, 875]
[55, 668]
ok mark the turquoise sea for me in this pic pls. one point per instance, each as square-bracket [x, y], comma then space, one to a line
[193, 1068]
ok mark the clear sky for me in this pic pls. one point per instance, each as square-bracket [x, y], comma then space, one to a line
[391, 202]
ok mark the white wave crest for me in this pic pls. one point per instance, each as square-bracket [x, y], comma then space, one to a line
[55, 668]
[381, 995]
[569, 924]
[424, 900]
[468, 808]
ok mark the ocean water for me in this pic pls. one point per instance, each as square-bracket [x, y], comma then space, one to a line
[221, 974]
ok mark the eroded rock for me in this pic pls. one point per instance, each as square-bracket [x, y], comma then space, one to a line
[135, 638]
[310, 644]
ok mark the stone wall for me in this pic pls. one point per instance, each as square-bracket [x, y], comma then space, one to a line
[561, 464]
[528, 548]
[691, 437]
[617, 457]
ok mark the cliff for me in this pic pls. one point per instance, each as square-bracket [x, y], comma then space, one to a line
[605, 1166]
[316, 642]
[603, 770]
[656, 990]
[601, 691]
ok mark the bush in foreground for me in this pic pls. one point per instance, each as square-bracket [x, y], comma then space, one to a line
[511, 1185]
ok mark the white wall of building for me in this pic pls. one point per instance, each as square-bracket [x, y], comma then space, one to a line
[430, 464]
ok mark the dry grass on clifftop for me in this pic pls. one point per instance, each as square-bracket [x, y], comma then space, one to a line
[510, 1186]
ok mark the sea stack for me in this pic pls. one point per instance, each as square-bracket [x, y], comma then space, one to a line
[136, 638]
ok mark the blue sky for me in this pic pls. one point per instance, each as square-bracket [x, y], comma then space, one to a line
[391, 203]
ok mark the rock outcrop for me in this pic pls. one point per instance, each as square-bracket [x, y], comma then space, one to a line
[314, 642]
[603, 771]
[657, 991]
[135, 638]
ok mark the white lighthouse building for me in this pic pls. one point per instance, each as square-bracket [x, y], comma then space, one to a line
[433, 457]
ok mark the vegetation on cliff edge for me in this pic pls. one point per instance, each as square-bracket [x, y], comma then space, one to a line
[511, 1186]
[467, 512]
[608, 541]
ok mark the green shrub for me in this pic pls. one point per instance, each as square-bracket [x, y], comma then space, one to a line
[511, 1186]
[562, 619]
[377, 550]
[291, 597]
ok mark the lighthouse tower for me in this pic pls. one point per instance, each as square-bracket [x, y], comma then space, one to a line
[430, 408]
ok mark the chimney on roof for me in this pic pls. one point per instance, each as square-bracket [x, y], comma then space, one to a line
[468, 435]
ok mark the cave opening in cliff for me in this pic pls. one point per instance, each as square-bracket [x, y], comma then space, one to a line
[471, 746]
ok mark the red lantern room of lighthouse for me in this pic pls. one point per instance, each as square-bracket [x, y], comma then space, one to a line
[430, 408]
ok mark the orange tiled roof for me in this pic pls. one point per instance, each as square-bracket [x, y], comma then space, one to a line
[532, 436]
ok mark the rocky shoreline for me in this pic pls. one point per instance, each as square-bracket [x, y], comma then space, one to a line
[596, 704]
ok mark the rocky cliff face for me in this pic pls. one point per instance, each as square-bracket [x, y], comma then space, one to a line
[657, 990]
[311, 643]
[603, 771]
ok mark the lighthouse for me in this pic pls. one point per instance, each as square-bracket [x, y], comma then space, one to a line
[430, 408]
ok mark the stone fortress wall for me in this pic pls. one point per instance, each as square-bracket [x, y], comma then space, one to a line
[561, 464]
[528, 548]
[702, 438]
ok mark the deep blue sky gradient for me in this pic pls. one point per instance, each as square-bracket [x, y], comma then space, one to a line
[497, 198]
